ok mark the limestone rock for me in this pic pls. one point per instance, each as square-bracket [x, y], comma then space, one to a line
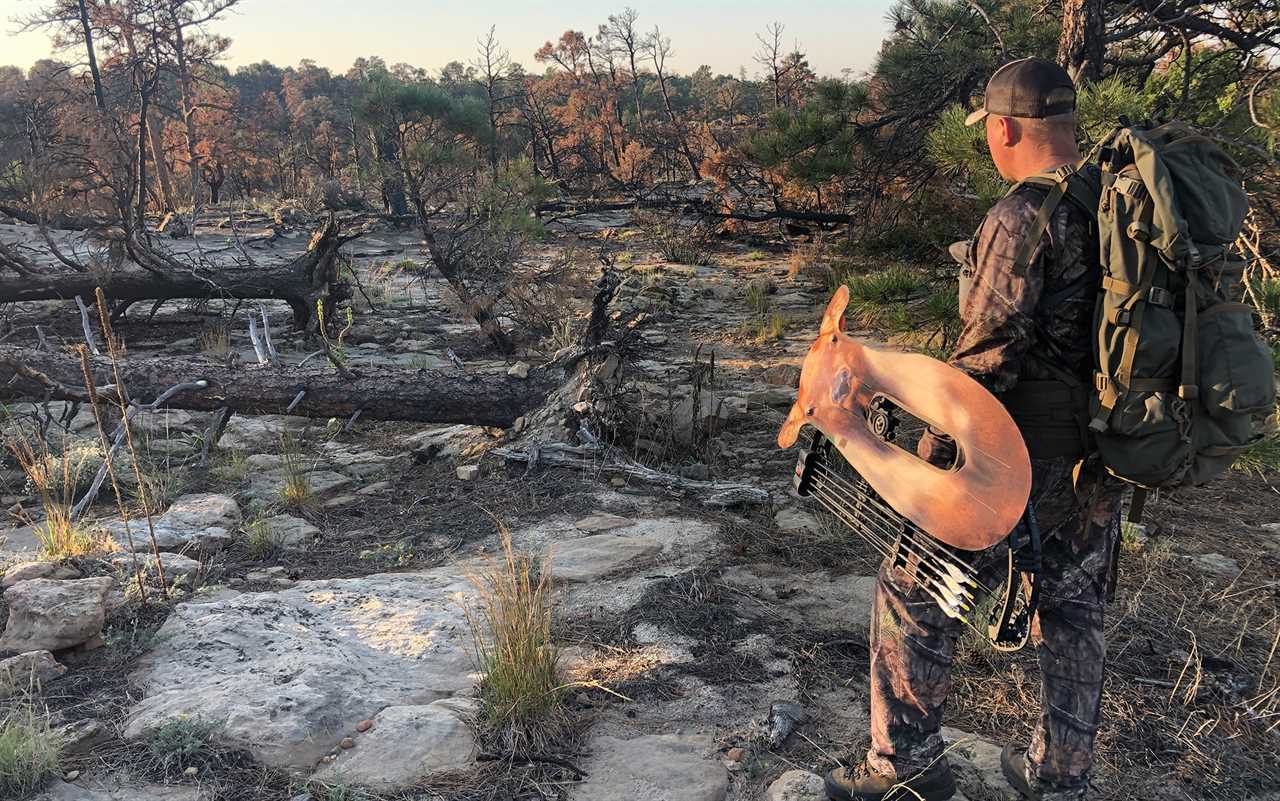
[793, 519]
[602, 521]
[18, 673]
[33, 570]
[976, 762]
[291, 533]
[82, 736]
[519, 370]
[783, 375]
[289, 673]
[176, 566]
[20, 545]
[267, 488]
[203, 521]
[113, 789]
[796, 785]
[468, 472]
[589, 558]
[1216, 563]
[405, 745]
[259, 434]
[47, 614]
[654, 767]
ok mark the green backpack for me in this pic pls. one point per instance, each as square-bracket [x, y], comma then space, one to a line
[1180, 372]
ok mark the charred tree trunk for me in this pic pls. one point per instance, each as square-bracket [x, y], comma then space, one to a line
[311, 277]
[1080, 48]
[387, 394]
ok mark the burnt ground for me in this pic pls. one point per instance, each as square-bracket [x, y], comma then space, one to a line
[1193, 692]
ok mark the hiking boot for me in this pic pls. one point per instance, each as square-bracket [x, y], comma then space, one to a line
[861, 783]
[1013, 763]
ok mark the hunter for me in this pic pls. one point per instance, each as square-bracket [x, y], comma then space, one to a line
[1029, 282]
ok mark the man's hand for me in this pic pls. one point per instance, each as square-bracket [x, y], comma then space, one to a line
[937, 448]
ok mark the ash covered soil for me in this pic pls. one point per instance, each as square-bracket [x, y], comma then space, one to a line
[319, 645]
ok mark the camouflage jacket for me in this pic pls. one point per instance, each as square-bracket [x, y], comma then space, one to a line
[1008, 333]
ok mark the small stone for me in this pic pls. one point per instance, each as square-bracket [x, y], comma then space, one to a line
[468, 472]
[796, 785]
[1271, 528]
[364, 726]
[617, 481]
[82, 736]
[191, 772]
[582, 407]
[519, 370]
[736, 754]
[347, 744]
[518, 426]
[71, 776]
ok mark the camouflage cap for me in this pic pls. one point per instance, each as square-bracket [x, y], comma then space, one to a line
[1028, 87]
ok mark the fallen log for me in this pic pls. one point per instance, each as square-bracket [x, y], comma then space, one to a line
[427, 396]
[311, 277]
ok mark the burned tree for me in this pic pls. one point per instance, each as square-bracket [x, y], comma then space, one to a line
[153, 275]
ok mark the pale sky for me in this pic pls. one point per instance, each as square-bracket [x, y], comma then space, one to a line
[836, 35]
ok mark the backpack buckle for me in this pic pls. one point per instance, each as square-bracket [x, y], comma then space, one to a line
[1159, 296]
[1101, 382]
[1119, 317]
[1188, 391]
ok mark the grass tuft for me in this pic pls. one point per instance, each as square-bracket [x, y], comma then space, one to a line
[30, 751]
[520, 692]
[56, 480]
[259, 540]
[215, 341]
[182, 743]
[296, 492]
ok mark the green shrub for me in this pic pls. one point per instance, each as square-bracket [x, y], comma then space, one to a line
[30, 751]
[892, 284]
[182, 743]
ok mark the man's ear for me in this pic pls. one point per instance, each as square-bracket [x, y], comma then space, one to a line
[1008, 131]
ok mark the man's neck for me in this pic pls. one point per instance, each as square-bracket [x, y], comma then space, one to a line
[1049, 160]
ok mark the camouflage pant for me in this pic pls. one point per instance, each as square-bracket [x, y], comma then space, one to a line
[912, 641]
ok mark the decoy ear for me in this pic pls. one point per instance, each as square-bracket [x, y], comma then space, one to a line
[833, 317]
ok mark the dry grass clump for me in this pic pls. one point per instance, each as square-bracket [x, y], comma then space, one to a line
[55, 480]
[30, 750]
[215, 341]
[296, 493]
[521, 694]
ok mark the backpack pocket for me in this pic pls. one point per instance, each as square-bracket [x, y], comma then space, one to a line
[1236, 371]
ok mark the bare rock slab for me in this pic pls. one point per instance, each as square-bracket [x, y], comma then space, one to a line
[48, 615]
[590, 558]
[602, 521]
[203, 520]
[19, 545]
[19, 673]
[110, 789]
[654, 767]
[290, 673]
[406, 745]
